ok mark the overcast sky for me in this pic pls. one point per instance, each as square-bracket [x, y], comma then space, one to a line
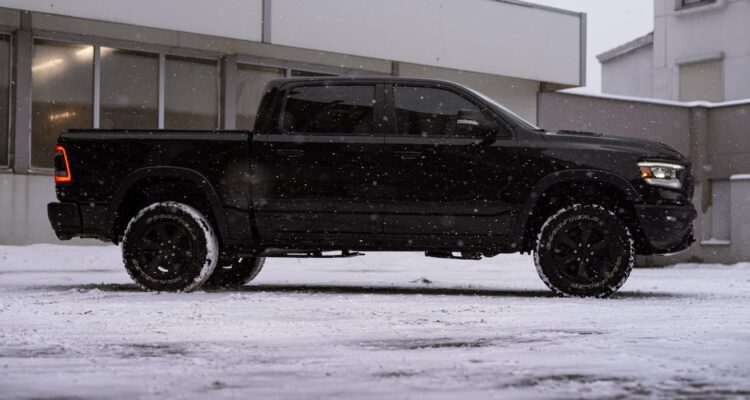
[610, 24]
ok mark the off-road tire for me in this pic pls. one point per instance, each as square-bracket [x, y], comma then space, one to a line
[236, 273]
[170, 247]
[573, 262]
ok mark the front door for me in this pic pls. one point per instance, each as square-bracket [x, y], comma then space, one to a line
[315, 176]
[449, 182]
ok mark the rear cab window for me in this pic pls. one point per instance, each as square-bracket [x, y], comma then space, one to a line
[329, 110]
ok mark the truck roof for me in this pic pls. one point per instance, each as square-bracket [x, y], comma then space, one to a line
[277, 83]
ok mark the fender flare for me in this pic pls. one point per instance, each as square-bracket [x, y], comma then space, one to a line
[577, 175]
[187, 174]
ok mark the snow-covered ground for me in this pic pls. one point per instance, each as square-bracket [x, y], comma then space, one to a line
[393, 325]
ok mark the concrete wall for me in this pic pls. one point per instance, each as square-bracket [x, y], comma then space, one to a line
[630, 74]
[714, 136]
[23, 210]
[644, 120]
[740, 185]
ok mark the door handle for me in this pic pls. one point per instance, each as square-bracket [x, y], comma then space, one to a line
[290, 153]
[409, 155]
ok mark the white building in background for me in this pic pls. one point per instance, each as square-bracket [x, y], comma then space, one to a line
[202, 64]
[699, 50]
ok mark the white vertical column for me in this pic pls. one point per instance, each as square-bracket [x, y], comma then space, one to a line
[162, 88]
[97, 84]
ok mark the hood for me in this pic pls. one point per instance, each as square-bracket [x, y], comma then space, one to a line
[646, 148]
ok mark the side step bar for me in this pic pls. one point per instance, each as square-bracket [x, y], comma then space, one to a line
[453, 256]
[310, 254]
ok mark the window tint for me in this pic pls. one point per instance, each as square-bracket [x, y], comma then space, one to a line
[422, 111]
[330, 109]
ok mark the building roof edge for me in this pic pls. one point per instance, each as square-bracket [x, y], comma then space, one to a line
[626, 48]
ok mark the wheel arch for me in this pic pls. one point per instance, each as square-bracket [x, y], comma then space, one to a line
[142, 178]
[577, 185]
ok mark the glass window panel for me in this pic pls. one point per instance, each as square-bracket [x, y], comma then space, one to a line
[4, 97]
[423, 111]
[129, 90]
[62, 91]
[330, 110]
[192, 94]
[721, 227]
[702, 81]
[250, 84]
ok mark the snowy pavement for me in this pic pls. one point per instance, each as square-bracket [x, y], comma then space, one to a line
[394, 325]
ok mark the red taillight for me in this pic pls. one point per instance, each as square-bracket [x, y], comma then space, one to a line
[62, 166]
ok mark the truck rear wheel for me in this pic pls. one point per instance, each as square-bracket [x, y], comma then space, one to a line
[237, 273]
[585, 251]
[170, 247]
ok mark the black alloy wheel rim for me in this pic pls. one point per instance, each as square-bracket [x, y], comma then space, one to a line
[165, 250]
[584, 254]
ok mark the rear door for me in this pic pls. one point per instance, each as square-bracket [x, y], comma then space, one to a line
[447, 182]
[316, 172]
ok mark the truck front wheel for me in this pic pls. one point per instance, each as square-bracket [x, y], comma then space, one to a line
[238, 272]
[585, 251]
[170, 247]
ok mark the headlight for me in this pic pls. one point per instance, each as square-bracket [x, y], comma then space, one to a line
[661, 174]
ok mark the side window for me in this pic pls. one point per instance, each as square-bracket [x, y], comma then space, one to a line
[330, 110]
[426, 112]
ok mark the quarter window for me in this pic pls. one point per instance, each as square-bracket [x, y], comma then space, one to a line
[428, 112]
[330, 110]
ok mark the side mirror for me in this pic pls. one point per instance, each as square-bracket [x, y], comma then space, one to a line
[475, 123]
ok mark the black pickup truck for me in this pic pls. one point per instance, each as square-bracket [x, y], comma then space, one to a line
[336, 166]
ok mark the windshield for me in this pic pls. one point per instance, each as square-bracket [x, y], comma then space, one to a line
[506, 113]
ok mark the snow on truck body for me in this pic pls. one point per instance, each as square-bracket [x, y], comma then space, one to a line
[382, 164]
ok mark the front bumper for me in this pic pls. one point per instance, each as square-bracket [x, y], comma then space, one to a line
[667, 229]
[71, 220]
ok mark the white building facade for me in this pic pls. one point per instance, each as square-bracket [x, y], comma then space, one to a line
[202, 65]
[699, 50]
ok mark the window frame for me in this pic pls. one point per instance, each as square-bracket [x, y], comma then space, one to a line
[505, 130]
[7, 166]
[682, 5]
[377, 112]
